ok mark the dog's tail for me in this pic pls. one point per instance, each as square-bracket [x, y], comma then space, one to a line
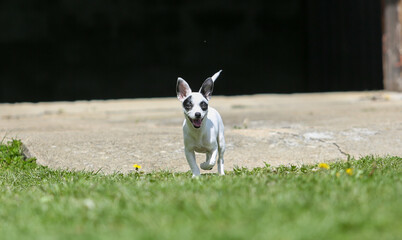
[216, 75]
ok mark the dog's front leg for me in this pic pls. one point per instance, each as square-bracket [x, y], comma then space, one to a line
[190, 155]
[210, 161]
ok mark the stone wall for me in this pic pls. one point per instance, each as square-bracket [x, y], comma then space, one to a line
[392, 45]
[69, 50]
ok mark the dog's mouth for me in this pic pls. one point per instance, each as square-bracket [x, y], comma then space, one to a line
[196, 122]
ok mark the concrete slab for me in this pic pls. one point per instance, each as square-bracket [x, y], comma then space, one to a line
[112, 135]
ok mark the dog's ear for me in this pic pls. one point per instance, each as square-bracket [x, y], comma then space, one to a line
[207, 88]
[183, 90]
[208, 85]
[216, 75]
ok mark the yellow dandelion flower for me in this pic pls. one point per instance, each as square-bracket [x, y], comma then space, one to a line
[323, 165]
[136, 166]
[338, 174]
[349, 171]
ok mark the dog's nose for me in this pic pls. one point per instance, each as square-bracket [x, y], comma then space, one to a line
[197, 115]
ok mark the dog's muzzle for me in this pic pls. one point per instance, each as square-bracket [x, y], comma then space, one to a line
[196, 122]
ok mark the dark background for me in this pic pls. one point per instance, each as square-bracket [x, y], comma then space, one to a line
[70, 50]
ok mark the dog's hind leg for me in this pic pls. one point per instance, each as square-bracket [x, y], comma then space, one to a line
[221, 146]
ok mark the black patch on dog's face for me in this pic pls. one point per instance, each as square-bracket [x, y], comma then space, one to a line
[204, 106]
[188, 104]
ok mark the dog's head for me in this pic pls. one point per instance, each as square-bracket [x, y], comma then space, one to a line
[195, 104]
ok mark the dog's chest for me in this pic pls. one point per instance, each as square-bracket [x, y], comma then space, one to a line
[200, 143]
[203, 147]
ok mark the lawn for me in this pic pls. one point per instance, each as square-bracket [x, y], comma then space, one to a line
[354, 199]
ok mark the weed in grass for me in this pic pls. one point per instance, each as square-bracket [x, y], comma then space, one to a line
[285, 202]
[11, 156]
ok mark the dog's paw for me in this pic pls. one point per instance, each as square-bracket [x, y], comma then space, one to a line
[206, 166]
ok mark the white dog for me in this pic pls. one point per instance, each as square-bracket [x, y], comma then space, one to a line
[203, 129]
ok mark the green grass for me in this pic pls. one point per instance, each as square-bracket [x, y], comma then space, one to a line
[263, 203]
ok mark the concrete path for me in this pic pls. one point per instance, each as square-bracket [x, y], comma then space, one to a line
[277, 129]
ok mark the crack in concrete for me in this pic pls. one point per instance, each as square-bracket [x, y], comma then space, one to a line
[320, 140]
[340, 150]
[337, 146]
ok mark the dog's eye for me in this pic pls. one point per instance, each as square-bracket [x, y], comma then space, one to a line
[204, 106]
[187, 105]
